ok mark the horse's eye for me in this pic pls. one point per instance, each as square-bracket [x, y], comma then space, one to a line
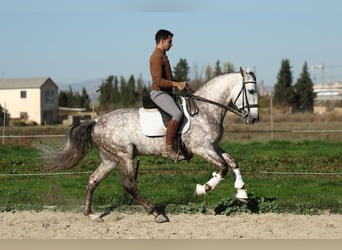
[251, 91]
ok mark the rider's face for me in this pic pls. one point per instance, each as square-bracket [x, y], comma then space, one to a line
[167, 43]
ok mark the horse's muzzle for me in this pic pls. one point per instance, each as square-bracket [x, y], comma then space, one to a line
[251, 119]
[254, 120]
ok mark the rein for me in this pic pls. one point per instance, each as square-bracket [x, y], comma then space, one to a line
[231, 107]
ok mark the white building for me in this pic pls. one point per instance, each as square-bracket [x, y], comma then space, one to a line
[30, 99]
[328, 92]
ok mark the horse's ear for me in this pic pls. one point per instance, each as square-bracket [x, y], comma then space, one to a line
[241, 71]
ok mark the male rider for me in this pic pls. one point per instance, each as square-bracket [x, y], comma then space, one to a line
[161, 90]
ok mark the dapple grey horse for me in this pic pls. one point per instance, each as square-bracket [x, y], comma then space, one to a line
[118, 137]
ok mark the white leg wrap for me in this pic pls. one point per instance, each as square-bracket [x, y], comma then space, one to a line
[215, 180]
[212, 183]
[200, 190]
[238, 179]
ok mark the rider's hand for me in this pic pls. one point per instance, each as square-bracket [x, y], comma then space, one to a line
[182, 85]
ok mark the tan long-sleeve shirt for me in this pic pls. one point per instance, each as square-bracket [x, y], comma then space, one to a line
[160, 71]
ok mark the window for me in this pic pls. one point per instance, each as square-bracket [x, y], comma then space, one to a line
[49, 96]
[23, 94]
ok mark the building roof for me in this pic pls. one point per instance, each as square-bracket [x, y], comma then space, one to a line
[23, 83]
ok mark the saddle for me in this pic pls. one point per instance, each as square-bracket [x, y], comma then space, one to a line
[153, 120]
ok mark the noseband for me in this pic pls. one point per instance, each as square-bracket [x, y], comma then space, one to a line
[231, 107]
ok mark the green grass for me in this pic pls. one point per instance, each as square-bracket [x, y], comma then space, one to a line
[165, 183]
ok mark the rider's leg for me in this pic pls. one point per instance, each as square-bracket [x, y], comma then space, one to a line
[166, 102]
[171, 131]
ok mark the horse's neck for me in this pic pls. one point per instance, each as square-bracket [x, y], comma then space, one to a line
[219, 88]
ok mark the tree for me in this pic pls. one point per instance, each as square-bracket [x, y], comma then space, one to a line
[116, 98]
[208, 73]
[197, 80]
[131, 94]
[63, 99]
[74, 100]
[123, 92]
[4, 112]
[66, 98]
[181, 71]
[303, 89]
[84, 100]
[217, 70]
[140, 90]
[106, 94]
[283, 90]
[228, 67]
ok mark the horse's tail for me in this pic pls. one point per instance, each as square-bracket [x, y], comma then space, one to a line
[79, 140]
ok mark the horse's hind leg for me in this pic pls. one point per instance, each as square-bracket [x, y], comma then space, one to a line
[105, 168]
[131, 187]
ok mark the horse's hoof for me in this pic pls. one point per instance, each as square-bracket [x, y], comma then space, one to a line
[241, 194]
[161, 218]
[245, 201]
[95, 218]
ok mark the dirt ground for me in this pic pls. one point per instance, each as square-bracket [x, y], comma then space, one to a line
[118, 225]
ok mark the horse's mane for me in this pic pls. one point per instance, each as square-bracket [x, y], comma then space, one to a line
[207, 84]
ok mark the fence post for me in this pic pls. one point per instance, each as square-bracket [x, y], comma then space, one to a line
[271, 110]
[4, 126]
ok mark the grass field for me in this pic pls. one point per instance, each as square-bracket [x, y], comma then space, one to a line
[290, 165]
[312, 191]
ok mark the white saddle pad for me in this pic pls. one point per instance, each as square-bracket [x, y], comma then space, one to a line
[152, 124]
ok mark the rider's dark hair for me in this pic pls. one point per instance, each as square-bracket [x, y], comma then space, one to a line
[162, 34]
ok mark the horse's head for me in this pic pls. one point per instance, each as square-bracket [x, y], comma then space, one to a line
[245, 97]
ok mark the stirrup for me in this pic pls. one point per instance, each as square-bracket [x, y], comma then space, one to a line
[173, 155]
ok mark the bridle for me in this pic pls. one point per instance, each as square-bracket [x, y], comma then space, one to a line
[243, 92]
[231, 107]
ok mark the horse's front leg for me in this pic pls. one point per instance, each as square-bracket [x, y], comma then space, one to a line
[238, 183]
[222, 160]
[213, 156]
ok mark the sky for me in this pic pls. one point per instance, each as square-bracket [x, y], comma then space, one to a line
[78, 40]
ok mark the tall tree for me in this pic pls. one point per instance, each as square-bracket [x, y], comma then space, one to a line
[283, 89]
[105, 97]
[181, 71]
[217, 70]
[67, 98]
[208, 73]
[304, 94]
[228, 67]
[63, 99]
[72, 99]
[123, 92]
[131, 94]
[197, 80]
[85, 99]
[140, 90]
[116, 93]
